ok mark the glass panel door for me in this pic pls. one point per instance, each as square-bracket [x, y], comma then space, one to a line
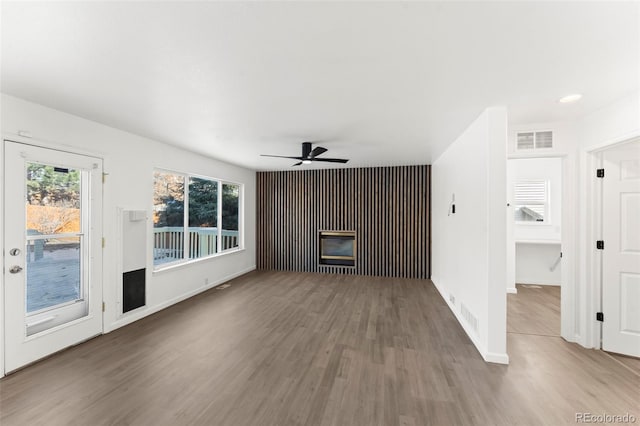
[52, 241]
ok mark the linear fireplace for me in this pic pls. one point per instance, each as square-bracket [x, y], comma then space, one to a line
[337, 248]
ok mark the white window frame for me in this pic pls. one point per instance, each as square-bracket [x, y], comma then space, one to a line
[185, 221]
[240, 215]
[547, 203]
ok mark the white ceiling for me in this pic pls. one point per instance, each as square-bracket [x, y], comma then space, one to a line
[379, 83]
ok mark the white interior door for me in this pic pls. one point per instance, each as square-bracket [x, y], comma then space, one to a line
[52, 245]
[621, 254]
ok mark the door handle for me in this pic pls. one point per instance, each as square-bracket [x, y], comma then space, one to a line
[15, 269]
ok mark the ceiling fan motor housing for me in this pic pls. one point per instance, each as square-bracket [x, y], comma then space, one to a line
[306, 149]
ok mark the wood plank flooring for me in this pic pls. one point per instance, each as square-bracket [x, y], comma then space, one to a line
[632, 363]
[286, 348]
[535, 309]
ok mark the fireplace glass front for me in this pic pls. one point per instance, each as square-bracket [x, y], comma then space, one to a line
[337, 248]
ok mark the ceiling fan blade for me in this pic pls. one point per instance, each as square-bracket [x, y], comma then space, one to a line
[331, 160]
[297, 164]
[317, 151]
[281, 156]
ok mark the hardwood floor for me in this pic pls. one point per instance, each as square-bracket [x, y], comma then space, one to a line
[284, 348]
[632, 363]
[535, 309]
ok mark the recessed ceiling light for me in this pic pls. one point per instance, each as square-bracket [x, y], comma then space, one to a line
[306, 161]
[570, 98]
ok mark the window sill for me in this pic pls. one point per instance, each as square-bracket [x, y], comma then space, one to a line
[178, 265]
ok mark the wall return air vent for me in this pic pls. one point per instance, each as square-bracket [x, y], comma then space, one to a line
[534, 140]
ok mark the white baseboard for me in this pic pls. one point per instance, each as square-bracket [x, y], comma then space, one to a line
[573, 339]
[512, 290]
[533, 282]
[121, 322]
[497, 358]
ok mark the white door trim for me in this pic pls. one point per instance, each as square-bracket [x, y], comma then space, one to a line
[592, 300]
[13, 137]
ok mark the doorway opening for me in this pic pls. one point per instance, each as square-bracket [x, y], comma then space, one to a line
[534, 246]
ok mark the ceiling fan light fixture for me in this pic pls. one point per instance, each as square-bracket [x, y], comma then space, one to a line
[309, 155]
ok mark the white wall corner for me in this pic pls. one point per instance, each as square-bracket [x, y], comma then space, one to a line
[496, 358]
[472, 336]
[497, 226]
[493, 357]
[469, 246]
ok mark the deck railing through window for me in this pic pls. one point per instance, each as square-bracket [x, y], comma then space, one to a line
[168, 244]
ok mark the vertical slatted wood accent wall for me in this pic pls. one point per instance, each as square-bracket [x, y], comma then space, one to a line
[388, 207]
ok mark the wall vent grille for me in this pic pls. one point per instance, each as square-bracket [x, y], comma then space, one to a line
[471, 319]
[534, 140]
[525, 140]
[544, 140]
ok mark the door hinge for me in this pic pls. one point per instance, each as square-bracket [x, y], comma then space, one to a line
[599, 316]
[104, 177]
[560, 254]
[104, 306]
[600, 245]
[600, 173]
[103, 242]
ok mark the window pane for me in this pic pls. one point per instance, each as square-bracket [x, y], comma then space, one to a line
[531, 199]
[53, 200]
[230, 209]
[529, 213]
[168, 217]
[203, 217]
[53, 272]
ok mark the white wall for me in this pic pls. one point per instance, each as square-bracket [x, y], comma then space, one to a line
[564, 139]
[129, 161]
[469, 247]
[613, 123]
[534, 263]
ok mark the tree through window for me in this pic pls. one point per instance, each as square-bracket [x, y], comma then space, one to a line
[192, 232]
